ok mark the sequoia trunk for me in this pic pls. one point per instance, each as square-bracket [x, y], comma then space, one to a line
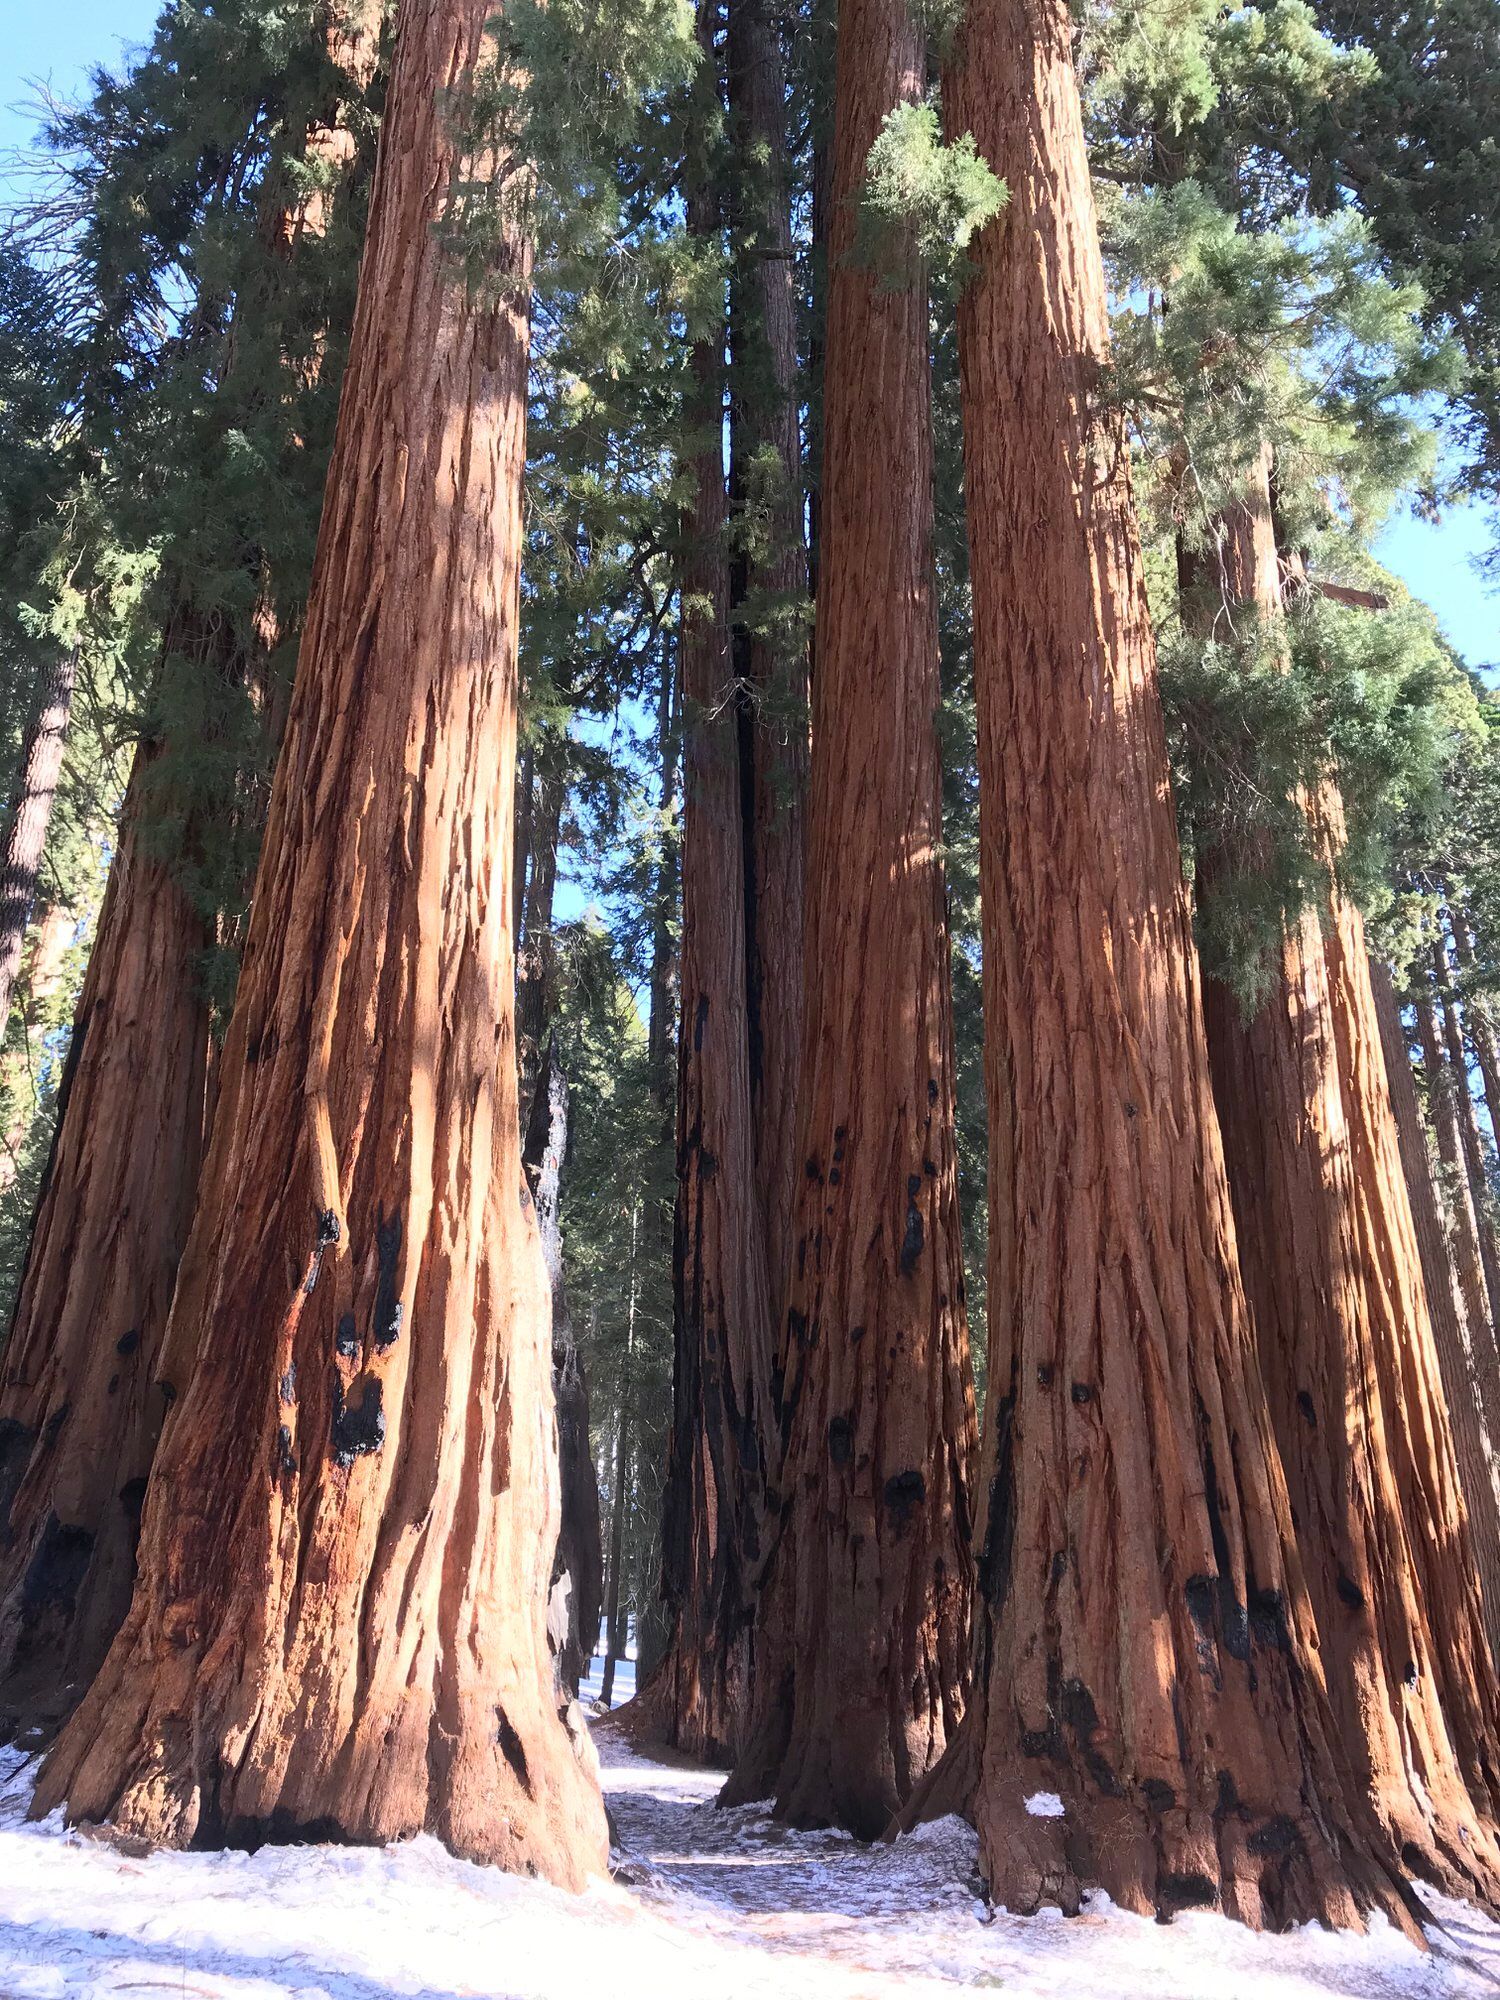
[1329, 1256]
[31, 815]
[863, 1630]
[80, 1404]
[1472, 1393]
[767, 454]
[339, 1622]
[1146, 1649]
[716, 1470]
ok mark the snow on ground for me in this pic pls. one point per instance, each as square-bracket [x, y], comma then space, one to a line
[703, 1903]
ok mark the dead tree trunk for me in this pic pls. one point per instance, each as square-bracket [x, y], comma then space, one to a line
[1146, 1649]
[721, 1393]
[339, 1622]
[80, 1403]
[766, 448]
[1473, 1402]
[578, 1565]
[862, 1667]
[31, 815]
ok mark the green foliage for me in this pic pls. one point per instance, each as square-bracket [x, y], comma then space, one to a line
[923, 201]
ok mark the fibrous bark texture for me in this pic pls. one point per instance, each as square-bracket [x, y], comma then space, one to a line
[339, 1623]
[863, 1628]
[721, 1389]
[578, 1565]
[30, 817]
[1145, 1646]
[1473, 1399]
[80, 1400]
[766, 447]
[1332, 1270]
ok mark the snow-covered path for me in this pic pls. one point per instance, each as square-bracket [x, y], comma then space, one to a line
[704, 1903]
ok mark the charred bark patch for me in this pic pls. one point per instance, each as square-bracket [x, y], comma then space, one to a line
[904, 1494]
[513, 1750]
[346, 1340]
[913, 1240]
[358, 1420]
[1188, 1890]
[16, 1442]
[840, 1440]
[996, 1557]
[128, 1342]
[1350, 1592]
[1309, 1413]
[57, 1570]
[388, 1307]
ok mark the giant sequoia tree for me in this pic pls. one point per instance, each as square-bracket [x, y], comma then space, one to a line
[1145, 1646]
[348, 1633]
[721, 1387]
[1333, 1273]
[80, 1396]
[863, 1626]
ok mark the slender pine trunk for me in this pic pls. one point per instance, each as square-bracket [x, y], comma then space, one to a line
[31, 816]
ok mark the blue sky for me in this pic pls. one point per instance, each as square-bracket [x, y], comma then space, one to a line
[58, 41]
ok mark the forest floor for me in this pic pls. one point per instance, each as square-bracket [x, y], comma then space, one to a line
[703, 1903]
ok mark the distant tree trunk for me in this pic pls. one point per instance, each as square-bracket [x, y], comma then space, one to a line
[1329, 1256]
[525, 789]
[31, 815]
[862, 1665]
[716, 1472]
[536, 993]
[1146, 1649]
[578, 1565]
[1479, 1018]
[661, 1029]
[1455, 1082]
[767, 454]
[340, 1618]
[80, 1401]
[614, 1636]
[1470, 1366]
[1463, 1228]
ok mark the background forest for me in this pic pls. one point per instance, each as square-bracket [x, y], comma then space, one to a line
[1297, 212]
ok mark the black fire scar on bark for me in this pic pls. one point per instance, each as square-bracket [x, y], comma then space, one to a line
[904, 1493]
[911, 1243]
[388, 1306]
[358, 1427]
[327, 1235]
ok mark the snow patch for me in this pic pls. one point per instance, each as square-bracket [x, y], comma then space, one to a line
[1046, 1805]
[707, 1902]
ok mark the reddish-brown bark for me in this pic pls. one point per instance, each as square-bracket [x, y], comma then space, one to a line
[80, 1393]
[31, 815]
[80, 1402]
[346, 1632]
[864, 1626]
[1332, 1270]
[1145, 1646]
[766, 447]
[1473, 1399]
[721, 1401]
